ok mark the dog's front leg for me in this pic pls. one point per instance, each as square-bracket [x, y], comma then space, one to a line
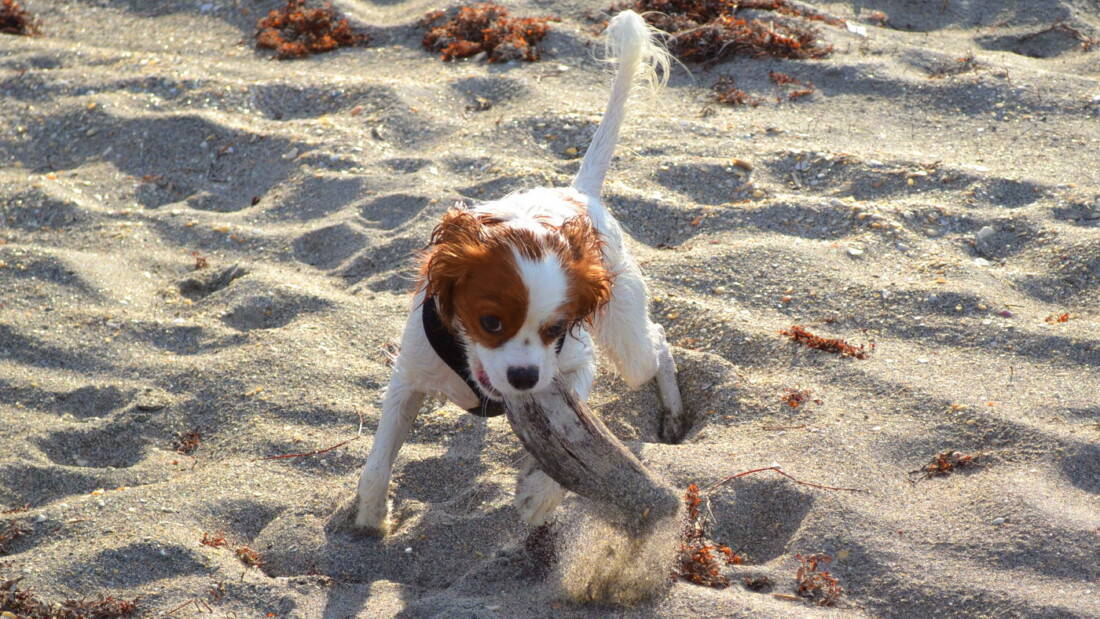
[399, 409]
[673, 423]
[638, 346]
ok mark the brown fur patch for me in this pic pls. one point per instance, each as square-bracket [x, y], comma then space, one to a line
[472, 272]
[589, 280]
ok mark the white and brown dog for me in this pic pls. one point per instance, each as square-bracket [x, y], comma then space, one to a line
[509, 290]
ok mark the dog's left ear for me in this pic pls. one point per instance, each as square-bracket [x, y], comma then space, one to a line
[589, 280]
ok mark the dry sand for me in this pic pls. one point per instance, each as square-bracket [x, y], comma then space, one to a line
[136, 133]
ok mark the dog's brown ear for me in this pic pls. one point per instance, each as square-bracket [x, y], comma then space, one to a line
[589, 280]
[456, 243]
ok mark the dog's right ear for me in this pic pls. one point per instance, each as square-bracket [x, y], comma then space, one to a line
[456, 244]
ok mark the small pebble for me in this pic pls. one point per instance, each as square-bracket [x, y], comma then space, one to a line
[408, 549]
[855, 252]
[982, 262]
[984, 240]
[998, 521]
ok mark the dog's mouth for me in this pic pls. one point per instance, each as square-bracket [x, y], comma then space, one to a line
[486, 384]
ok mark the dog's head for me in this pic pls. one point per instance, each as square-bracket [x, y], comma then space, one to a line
[512, 292]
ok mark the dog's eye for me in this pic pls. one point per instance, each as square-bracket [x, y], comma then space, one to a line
[555, 330]
[491, 324]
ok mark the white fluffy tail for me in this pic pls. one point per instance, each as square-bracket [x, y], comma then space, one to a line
[630, 43]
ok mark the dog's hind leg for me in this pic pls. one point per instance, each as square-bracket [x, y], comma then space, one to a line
[399, 409]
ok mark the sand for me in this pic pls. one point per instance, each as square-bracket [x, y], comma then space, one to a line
[139, 137]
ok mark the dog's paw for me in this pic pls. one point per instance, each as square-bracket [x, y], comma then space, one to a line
[344, 517]
[537, 495]
[673, 427]
[372, 518]
[674, 423]
[370, 509]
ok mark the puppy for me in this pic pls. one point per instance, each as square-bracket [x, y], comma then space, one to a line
[511, 293]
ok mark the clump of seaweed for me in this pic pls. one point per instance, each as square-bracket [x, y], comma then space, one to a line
[187, 442]
[14, 19]
[296, 31]
[945, 463]
[23, 603]
[486, 27]
[249, 557]
[796, 397]
[11, 532]
[699, 561]
[836, 346]
[711, 30]
[818, 585]
[213, 541]
[727, 92]
[798, 88]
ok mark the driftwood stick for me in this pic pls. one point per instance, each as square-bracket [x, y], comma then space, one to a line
[577, 450]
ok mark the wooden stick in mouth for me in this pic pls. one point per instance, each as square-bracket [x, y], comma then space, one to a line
[577, 450]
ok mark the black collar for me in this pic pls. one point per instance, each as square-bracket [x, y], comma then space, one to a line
[453, 353]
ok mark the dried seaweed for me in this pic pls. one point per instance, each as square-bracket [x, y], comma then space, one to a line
[834, 345]
[710, 30]
[249, 557]
[11, 532]
[24, 604]
[485, 27]
[816, 584]
[213, 541]
[945, 463]
[14, 19]
[726, 91]
[201, 261]
[796, 397]
[800, 88]
[296, 31]
[187, 442]
[758, 584]
[700, 562]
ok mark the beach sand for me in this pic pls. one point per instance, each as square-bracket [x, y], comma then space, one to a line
[938, 195]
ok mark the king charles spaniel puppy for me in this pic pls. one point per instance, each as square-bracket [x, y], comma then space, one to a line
[512, 292]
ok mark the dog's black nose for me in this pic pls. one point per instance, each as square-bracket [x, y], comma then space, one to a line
[523, 377]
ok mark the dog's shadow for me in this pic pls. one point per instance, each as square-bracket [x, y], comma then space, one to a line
[449, 514]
